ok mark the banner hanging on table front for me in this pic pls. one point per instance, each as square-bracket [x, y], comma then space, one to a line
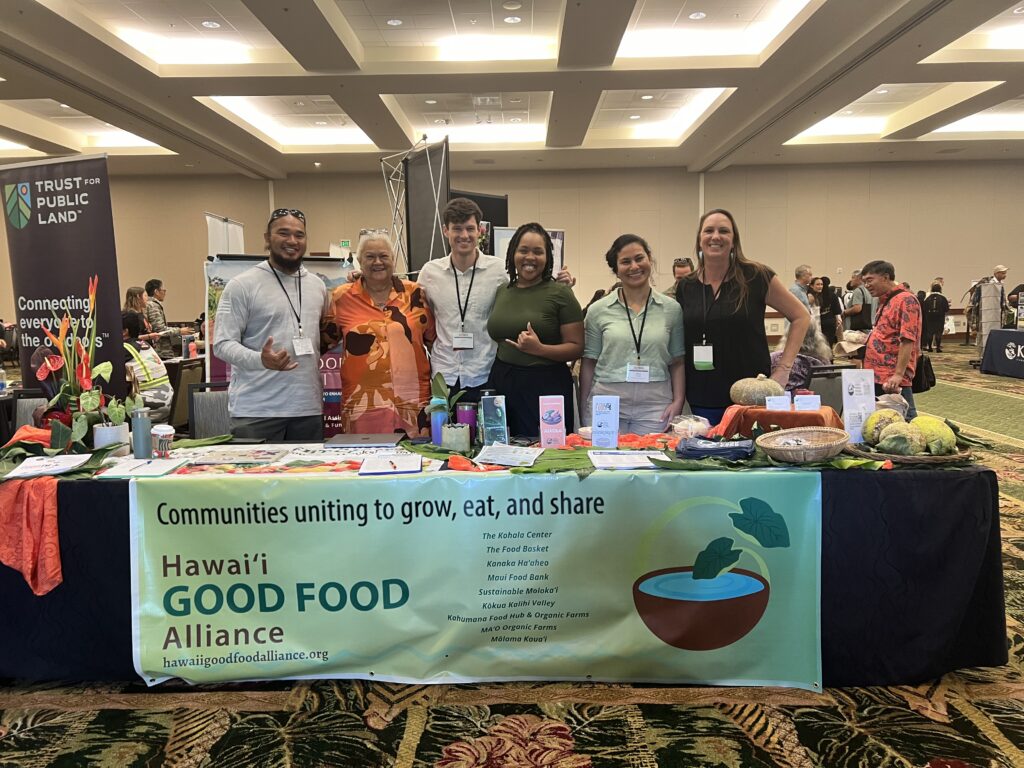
[60, 232]
[661, 576]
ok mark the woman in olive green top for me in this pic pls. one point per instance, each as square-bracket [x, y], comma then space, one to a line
[538, 325]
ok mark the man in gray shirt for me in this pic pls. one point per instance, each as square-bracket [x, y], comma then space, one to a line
[268, 328]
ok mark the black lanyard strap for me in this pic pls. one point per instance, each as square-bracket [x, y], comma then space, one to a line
[298, 278]
[458, 296]
[647, 306]
[704, 300]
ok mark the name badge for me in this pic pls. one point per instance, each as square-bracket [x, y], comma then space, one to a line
[703, 357]
[462, 341]
[302, 346]
[638, 374]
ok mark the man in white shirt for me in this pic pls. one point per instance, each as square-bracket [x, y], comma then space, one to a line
[461, 289]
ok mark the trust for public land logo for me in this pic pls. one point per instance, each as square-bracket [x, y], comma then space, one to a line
[18, 204]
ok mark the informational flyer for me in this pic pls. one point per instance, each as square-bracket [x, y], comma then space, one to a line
[858, 400]
[658, 576]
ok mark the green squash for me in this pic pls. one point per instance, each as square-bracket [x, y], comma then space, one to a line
[754, 391]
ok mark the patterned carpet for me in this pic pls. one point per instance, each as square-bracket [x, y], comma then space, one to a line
[970, 718]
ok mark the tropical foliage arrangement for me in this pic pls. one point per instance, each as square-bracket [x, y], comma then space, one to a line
[79, 402]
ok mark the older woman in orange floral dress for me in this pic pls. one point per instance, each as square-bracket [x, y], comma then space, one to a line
[385, 325]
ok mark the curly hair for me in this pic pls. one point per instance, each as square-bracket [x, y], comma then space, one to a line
[549, 252]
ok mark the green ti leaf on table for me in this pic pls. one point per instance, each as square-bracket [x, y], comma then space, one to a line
[762, 522]
[717, 557]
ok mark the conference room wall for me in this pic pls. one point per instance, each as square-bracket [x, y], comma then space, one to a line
[958, 219]
[955, 220]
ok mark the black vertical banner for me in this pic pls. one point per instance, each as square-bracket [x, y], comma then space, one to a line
[60, 232]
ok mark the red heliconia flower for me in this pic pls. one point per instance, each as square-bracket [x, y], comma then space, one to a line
[84, 370]
[93, 282]
[50, 364]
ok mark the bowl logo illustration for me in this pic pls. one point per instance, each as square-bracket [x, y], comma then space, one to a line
[711, 604]
[551, 416]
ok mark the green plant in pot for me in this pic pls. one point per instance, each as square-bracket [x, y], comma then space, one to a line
[712, 604]
[443, 430]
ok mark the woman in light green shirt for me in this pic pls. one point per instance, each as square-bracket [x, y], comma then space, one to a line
[633, 345]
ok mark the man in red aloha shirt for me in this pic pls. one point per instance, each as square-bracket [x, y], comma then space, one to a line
[895, 341]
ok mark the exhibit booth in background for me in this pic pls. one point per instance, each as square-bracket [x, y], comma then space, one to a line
[60, 235]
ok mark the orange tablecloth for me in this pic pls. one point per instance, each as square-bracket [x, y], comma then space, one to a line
[741, 418]
[28, 531]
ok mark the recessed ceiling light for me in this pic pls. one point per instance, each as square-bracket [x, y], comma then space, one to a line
[430, 101]
[64, 106]
[512, 5]
[394, 22]
[647, 97]
[698, 15]
[634, 117]
[211, 24]
[515, 101]
[317, 163]
[300, 103]
[190, 165]
[440, 122]
[321, 122]
[882, 91]
[515, 119]
[847, 112]
[472, 21]
[1019, 10]
[513, 19]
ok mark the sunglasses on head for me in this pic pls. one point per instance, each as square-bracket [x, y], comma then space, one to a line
[287, 212]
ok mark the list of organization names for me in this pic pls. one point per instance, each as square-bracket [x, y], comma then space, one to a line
[519, 602]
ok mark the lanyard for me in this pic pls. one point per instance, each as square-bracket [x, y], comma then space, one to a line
[704, 302]
[298, 278]
[647, 305]
[458, 296]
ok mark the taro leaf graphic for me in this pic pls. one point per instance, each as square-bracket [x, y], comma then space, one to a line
[762, 522]
[716, 557]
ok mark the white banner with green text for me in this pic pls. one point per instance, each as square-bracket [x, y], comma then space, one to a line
[650, 576]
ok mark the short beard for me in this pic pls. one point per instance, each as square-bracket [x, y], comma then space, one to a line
[288, 267]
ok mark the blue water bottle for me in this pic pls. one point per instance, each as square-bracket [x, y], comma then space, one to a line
[438, 418]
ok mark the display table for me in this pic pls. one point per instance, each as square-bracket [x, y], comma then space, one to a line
[740, 419]
[911, 581]
[1004, 353]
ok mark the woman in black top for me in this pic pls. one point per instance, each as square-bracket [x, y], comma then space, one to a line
[723, 317]
[831, 310]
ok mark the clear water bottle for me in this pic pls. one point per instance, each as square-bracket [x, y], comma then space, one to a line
[3, 378]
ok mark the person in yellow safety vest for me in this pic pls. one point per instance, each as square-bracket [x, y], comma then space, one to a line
[149, 370]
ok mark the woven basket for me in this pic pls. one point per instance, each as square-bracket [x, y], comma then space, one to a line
[926, 458]
[815, 444]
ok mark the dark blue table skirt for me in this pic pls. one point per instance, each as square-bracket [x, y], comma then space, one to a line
[911, 577]
[1004, 353]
